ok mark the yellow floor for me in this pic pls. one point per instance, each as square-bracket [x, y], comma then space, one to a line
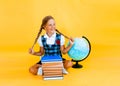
[99, 20]
[101, 68]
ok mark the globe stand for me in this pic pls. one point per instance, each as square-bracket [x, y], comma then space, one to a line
[76, 65]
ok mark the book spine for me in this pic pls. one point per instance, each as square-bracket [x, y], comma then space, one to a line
[52, 68]
[53, 78]
[56, 71]
[52, 75]
[51, 61]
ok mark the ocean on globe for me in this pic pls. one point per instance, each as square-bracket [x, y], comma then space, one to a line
[80, 49]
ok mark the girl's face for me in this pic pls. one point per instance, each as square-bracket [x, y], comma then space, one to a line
[50, 26]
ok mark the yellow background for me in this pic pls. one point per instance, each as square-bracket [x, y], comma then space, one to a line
[98, 20]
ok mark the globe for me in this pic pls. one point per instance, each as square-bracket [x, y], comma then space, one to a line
[80, 49]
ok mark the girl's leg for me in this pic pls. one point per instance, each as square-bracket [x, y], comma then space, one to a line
[34, 69]
[67, 64]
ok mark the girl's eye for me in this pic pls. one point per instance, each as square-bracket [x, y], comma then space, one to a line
[51, 24]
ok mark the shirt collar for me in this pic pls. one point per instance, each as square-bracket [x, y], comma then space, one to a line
[46, 36]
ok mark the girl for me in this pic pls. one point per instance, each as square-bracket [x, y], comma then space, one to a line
[51, 43]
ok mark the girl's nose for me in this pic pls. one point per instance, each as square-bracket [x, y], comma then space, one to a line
[53, 26]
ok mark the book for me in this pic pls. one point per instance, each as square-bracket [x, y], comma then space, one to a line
[52, 67]
[52, 74]
[47, 58]
[53, 71]
[53, 78]
[52, 64]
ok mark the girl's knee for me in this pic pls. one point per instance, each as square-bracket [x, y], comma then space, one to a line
[33, 71]
[68, 64]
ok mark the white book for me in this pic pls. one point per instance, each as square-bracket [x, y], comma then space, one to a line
[53, 78]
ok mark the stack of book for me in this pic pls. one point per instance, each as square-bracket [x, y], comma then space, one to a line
[52, 67]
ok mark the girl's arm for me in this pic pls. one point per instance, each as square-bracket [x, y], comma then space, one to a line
[65, 50]
[39, 53]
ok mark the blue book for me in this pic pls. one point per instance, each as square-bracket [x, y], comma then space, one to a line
[51, 58]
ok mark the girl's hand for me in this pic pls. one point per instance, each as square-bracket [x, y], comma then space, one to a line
[31, 51]
[71, 41]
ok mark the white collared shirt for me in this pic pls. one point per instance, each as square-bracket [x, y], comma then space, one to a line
[51, 40]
